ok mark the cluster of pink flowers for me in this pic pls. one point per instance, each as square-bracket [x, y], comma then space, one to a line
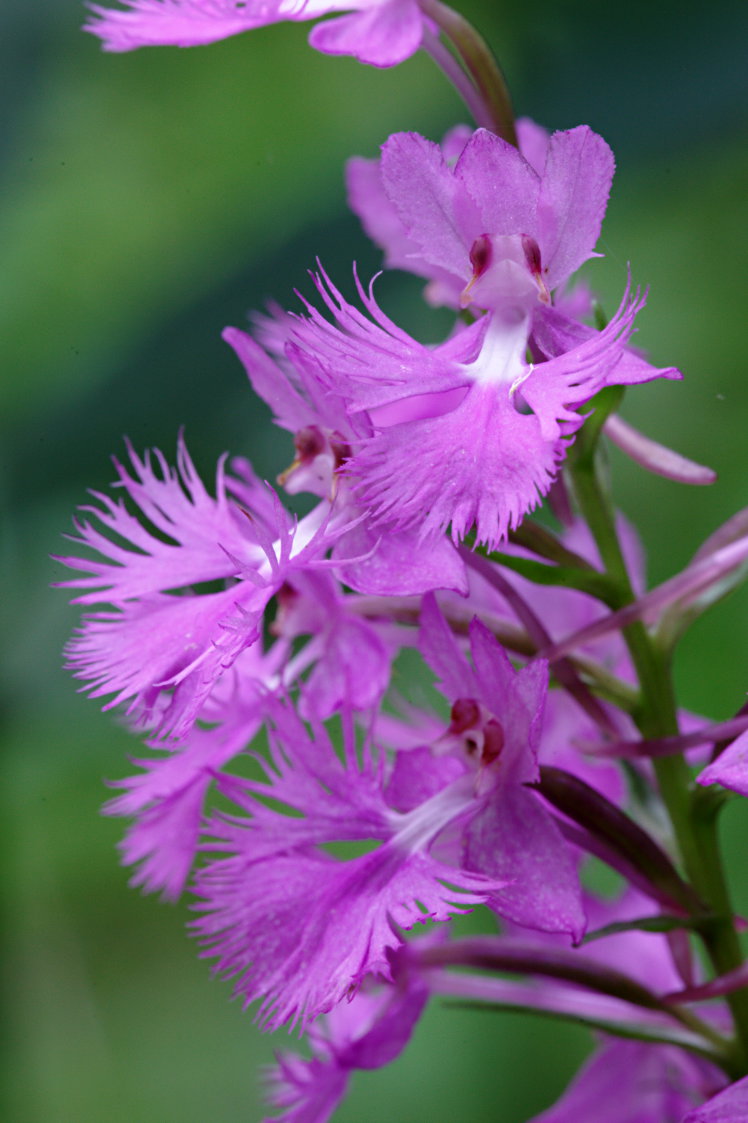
[316, 806]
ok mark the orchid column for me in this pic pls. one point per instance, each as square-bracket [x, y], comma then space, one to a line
[552, 735]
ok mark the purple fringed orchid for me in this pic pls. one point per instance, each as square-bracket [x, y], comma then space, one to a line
[467, 434]
[379, 560]
[470, 433]
[297, 927]
[497, 717]
[366, 1033]
[495, 227]
[163, 646]
[378, 32]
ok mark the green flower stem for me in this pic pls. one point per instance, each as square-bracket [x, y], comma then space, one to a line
[586, 580]
[480, 64]
[470, 992]
[693, 820]
[539, 540]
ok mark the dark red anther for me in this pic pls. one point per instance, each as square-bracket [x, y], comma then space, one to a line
[532, 254]
[341, 450]
[480, 255]
[286, 598]
[309, 442]
[534, 264]
[493, 740]
[465, 715]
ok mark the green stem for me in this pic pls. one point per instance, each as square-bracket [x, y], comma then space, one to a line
[693, 822]
[481, 65]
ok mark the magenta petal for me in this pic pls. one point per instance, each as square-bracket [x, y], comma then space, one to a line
[302, 931]
[500, 189]
[146, 643]
[164, 642]
[164, 838]
[556, 333]
[515, 838]
[631, 1082]
[442, 653]
[417, 775]
[180, 23]
[167, 797]
[424, 192]
[516, 697]
[555, 389]
[392, 1028]
[198, 538]
[396, 563]
[353, 670]
[573, 197]
[269, 382]
[533, 143]
[366, 1033]
[484, 464]
[730, 769]
[308, 1091]
[378, 215]
[728, 1106]
[381, 36]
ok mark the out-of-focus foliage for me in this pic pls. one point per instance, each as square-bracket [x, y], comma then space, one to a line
[149, 199]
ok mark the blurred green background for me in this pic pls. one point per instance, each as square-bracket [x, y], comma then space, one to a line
[148, 200]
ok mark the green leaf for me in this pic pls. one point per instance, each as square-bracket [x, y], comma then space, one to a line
[663, 1035]
[603, 404]
[662, 923]
[586, 581]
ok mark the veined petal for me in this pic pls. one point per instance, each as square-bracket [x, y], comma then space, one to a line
[555, 333]
[166, 645]
[573, 196]
[515, 839]
[163, 840]
[301, 931]
[555, 389]
[662, 1083]
[380, 34]
[180, 23]
[297, 927]
[443, 655]
[270, 382]
[368, 361]
[483, 464]
[167, 797]
[423, 190]
[306, 1090]
[728, 1106]
[206, 535]
[400, 565]
[378, 215]
[533, 142]
[730, 769]
[499, 189]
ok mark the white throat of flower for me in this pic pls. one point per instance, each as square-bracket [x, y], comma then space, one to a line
[507, 282]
